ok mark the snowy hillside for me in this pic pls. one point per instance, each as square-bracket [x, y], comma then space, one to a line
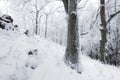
[46, 63]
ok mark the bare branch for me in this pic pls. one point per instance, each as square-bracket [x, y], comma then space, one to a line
[85, 33]
[93, 23]
[112, 16]
[83, 5]
[25, 2]
[43, 7]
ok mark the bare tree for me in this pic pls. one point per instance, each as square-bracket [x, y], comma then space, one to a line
[35, 8]
[46, 28]
[37, 11]
[103, 30]
[72, 50]
[47, 14]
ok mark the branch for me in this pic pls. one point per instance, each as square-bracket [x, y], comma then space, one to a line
[108, 8]
[65, 2]
[112, 16]
[97, 15]
[56, 9]
[43, 7]
[25, 2]
[83, 5]
[85, 33]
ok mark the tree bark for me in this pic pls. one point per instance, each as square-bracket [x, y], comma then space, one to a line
[65, 2]
[46, 26]
[36, 21]
[103, 30]
[72, 50]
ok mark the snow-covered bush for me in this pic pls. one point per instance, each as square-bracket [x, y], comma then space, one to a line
[32, 61]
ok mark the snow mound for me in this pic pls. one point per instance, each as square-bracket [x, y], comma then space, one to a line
[15, 63]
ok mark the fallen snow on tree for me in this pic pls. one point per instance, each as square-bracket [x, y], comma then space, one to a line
[35, 58]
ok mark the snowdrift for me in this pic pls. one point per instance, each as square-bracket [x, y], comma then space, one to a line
[16, 64]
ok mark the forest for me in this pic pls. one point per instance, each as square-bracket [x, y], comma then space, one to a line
[59, 39]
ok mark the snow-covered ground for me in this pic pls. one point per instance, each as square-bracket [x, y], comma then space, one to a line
[15, 63]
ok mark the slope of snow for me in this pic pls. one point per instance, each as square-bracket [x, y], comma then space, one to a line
[49, 63]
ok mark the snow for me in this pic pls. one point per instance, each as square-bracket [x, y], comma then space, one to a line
[15, 63]
[74, 12]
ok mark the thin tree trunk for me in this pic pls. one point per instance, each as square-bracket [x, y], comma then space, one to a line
[36, 30]
[46, 26]
[103, 31]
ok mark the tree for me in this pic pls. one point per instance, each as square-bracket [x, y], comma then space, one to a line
[32, 10]
[72, 50]
[37, 11]
[46, 25]
[103, 30]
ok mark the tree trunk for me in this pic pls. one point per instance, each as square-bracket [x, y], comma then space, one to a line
[36, 30]
[65, 2]
[103, 30]
[46, 26]
[72, 50]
